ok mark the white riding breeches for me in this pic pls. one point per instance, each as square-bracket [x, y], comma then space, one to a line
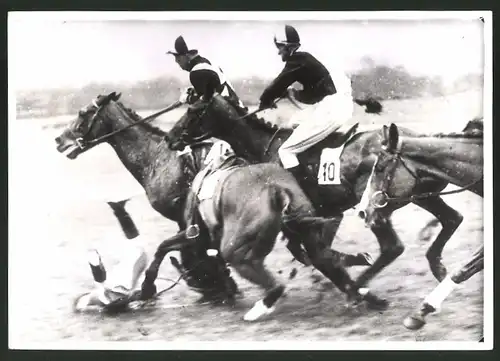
[316, 122]
[124, 278]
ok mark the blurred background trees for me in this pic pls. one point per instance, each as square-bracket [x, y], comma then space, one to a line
[380, 81]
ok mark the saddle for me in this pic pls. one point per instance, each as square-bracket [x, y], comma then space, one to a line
[341, 137]
[207, 187]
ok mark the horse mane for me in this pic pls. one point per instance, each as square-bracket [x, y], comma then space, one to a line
[136, 117]
[261, 123]
[452, 135]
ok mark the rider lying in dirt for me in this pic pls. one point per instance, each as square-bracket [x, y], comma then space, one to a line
[122, 281]
[120, 290]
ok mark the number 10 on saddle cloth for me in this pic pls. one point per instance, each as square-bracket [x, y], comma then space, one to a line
[329, 165]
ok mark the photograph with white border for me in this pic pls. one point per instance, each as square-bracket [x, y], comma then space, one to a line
[250, 180]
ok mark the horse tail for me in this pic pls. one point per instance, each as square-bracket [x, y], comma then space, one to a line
[126, 223]
[474, 126]
[281, 200]
[371, 105]
[279, 197]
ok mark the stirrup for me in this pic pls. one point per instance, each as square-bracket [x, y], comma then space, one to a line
[193, 231]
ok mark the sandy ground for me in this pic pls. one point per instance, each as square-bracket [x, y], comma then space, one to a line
[57, 211]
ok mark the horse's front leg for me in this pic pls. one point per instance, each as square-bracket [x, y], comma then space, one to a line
[391, 248]
[450, 220]
[433, 301]
[174, 243]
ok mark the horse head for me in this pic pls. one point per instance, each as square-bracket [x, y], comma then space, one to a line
[388, 170]
[201, 121]
[83, 132]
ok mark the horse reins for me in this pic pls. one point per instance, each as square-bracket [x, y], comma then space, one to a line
[82, 143]
[388, 178]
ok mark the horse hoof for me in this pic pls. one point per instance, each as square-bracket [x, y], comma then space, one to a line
[147, 292]
[414, 322]
[258, 312]
[375, 303]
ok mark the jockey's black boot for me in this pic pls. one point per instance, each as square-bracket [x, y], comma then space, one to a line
[307, 182]
[96, 266]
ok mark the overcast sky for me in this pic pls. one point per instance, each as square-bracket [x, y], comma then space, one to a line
[53, 53]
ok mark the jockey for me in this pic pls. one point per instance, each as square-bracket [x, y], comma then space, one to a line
[326, 99]
[123, 280]
[206, 79]
[120, 289]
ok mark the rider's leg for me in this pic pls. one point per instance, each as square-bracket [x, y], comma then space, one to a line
[121, 281]
[124, 278]
[315, 124]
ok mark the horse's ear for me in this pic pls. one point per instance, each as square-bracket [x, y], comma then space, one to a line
[113, 96]
[393, 137]
[385, 134]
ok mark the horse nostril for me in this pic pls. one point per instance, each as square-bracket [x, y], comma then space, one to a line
[362, 214]
[58, 140]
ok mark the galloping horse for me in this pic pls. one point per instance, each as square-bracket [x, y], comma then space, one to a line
[164, 176]
[401, 164]
[244, 227]
[254, 139]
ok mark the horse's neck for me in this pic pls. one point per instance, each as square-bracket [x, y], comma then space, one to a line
[256, 142]
[140, 151]
[458, 158]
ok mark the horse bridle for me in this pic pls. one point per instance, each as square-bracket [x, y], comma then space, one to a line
[80, 140]
[83, 144]
[389, 175]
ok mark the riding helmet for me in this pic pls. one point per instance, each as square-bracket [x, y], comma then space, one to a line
[181, 48]
[290, 37]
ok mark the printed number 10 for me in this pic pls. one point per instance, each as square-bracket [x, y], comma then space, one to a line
[328, 171]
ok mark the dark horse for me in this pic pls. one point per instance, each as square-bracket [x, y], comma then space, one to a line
[258, 141]
[164, 176]
[245, 224]
[401, 164]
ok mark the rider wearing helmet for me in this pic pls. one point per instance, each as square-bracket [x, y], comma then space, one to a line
[206, 79]
[325, 98]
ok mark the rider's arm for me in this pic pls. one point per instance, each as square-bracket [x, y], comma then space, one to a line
[279, 85]
[205, 82]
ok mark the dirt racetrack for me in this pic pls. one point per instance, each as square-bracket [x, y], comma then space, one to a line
[57, 211]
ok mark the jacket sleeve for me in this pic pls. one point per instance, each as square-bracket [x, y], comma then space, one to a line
[278, 86]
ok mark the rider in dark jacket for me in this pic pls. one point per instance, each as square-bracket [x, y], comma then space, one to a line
[326, 101]
[206, 79]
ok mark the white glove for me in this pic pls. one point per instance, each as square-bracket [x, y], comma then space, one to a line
[184, 96]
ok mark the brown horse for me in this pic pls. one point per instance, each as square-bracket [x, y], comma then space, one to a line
[164, 175]
[259, 141]
[401, 165]
[245, 226]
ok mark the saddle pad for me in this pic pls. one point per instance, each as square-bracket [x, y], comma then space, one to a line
[329, 164]
[210, 183]
[209, 196]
